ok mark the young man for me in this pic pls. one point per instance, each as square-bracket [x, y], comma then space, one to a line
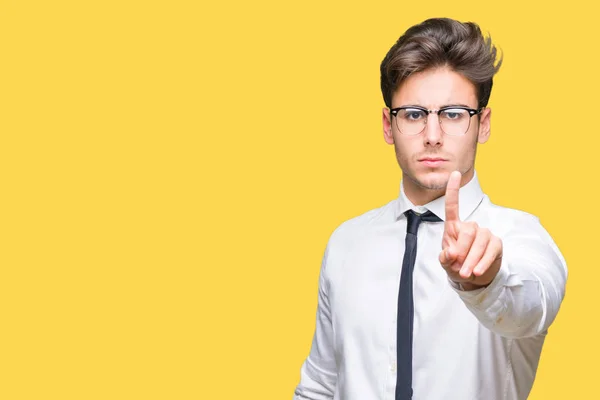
[440, 294]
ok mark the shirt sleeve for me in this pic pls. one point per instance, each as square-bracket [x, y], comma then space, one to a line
[318, 374]
[526, 294]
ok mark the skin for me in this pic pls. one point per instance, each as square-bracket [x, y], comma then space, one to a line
[470, 255]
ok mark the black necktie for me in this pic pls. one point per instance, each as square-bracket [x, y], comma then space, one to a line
[406, 305]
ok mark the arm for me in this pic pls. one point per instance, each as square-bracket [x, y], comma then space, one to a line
[318, 374]
[515, 284]
[524, 297]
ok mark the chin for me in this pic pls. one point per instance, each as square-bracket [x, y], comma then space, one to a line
[434, 180]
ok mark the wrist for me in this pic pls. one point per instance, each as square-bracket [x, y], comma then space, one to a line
[468, 286]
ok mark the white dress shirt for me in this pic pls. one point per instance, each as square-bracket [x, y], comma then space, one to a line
[467, 345]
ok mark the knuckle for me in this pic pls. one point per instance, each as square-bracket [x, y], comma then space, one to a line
[472, 225]
[469, 230]
[455, 268]
[495, 241]
[482, 245]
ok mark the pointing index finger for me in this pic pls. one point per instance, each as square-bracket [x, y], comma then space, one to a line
[452, 196]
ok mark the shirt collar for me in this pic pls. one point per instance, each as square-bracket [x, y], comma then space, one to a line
[469, 197]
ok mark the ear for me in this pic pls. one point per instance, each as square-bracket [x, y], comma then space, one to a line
[387, 126]
[484, 125]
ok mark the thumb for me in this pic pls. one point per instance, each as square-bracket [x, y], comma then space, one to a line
[447, 257]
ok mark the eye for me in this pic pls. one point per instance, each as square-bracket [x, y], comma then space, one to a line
[412, 114]
[454, 114]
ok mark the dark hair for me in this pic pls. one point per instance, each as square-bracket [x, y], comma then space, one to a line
[439, 42]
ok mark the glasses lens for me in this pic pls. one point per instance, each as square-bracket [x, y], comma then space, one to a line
[411, 121]
[455, 121]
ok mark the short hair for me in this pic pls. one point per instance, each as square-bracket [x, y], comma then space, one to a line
[441, 42]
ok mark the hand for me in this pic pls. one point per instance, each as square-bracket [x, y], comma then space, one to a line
[471, 255]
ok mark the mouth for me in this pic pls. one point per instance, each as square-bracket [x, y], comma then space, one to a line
[432, 161]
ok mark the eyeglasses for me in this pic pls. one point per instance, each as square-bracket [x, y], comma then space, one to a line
[454, 120]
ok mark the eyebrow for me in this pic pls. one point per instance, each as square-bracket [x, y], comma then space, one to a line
[444, 106]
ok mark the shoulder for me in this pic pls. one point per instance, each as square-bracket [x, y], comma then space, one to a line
[508, 216]
[353, 229]
[513, 224]
[349, 234]
[523, 235]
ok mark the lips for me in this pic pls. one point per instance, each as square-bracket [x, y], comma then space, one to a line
[432, 161]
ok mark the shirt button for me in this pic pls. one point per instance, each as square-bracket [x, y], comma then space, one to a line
[393, 367]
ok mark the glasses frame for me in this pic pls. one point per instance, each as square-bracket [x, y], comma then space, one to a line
[394, 112]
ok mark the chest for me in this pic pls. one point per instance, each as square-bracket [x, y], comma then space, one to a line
[365, 285]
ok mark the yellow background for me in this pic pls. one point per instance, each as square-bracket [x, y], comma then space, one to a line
[170, 173]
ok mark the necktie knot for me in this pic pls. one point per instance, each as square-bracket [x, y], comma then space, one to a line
[414, 219]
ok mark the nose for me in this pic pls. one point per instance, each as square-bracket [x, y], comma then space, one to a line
[433, 135]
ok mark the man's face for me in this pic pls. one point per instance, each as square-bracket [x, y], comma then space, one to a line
[423, 177]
